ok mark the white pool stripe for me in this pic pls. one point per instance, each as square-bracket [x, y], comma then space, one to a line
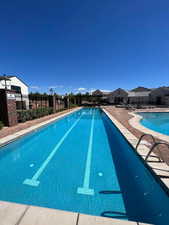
[85, 190]
[33, 181]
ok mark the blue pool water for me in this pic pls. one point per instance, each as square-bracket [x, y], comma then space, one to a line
[82, 163]
[158, 122]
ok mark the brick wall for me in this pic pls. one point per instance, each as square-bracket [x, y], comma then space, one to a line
[8, 113]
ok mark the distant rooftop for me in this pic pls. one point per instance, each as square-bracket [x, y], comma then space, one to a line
[140, 89]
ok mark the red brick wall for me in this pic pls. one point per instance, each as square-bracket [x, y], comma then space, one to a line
[8, 113]
[12, 115]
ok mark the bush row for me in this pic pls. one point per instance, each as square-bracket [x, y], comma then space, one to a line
[72, 105]
[33, 114]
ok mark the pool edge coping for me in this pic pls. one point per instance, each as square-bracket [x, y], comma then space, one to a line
[135, 122]
[22, 214]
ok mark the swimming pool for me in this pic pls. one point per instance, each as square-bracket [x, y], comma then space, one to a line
[157, 121]
[82, 163]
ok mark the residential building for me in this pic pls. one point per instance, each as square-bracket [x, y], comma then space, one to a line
[97, 93]
[119, 96]
[100, 95]
[141, 89]
[20, 89]
[140, 95]
[160, 96]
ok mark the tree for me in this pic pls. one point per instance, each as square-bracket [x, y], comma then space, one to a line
[51, 90]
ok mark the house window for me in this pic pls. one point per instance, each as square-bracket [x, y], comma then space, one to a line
[17, 89]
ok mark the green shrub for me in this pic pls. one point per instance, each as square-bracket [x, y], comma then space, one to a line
[21, 115]
[31, 114]
[1, 125]
[72, 105]
[50, 110]
[25, 115]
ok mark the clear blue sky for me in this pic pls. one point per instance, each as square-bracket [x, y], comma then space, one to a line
[71, 44]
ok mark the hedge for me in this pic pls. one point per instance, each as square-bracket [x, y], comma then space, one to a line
[72, 105]
[25, 115]
[31, 114]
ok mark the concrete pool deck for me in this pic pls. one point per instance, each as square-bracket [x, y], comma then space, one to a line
[17, 214]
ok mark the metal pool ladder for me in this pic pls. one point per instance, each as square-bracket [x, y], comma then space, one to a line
[142, 138]
[155, 144]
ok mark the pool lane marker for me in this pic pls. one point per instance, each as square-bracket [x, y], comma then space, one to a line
[85, 190]
[34, 180]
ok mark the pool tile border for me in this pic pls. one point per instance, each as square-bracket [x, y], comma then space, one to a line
[6, 140]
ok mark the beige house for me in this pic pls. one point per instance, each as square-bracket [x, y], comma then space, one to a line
[100, 93]
[160, 96]
[103, 95]
[119, 96]
[97, 93]
[139, 97]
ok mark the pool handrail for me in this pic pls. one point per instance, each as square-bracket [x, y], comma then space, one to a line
[142, 138]
[152, 148]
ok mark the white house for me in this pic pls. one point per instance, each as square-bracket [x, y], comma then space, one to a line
[21, 90]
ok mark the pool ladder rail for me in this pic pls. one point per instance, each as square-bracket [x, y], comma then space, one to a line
[155, 144]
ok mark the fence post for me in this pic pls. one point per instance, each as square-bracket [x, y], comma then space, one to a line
[54, 103]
